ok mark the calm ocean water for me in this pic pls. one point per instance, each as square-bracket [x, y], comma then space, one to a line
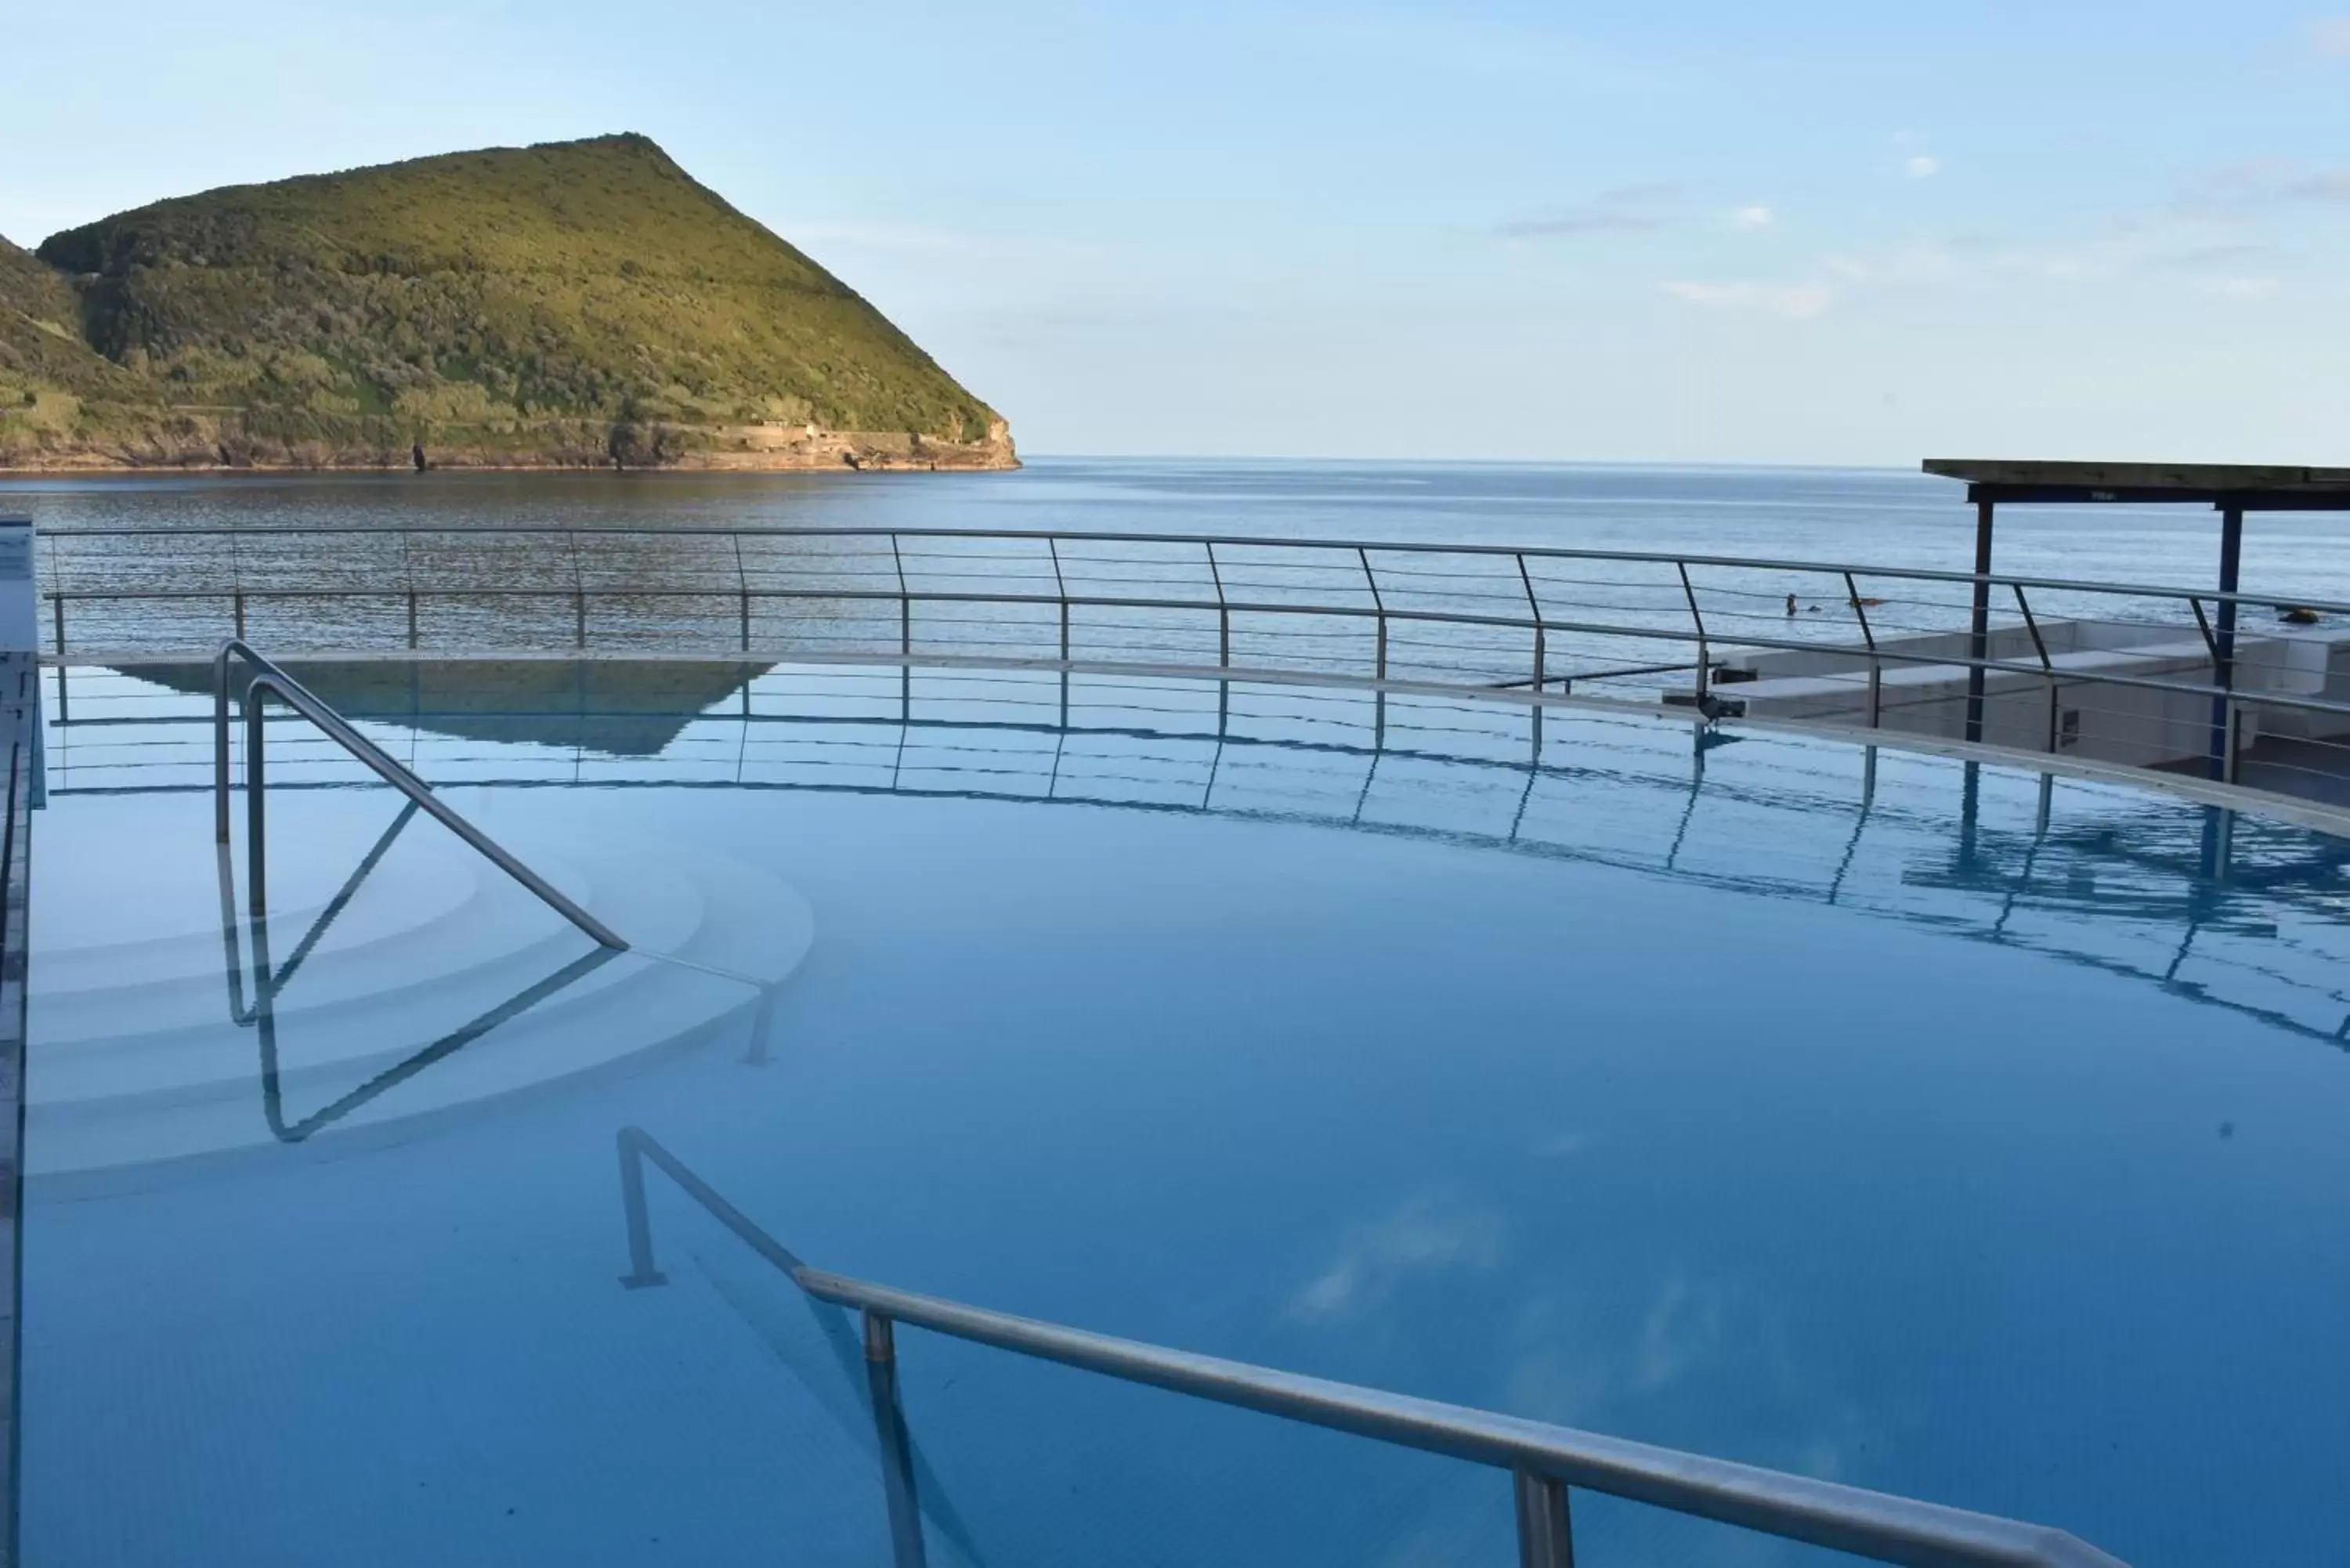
[1881, 517]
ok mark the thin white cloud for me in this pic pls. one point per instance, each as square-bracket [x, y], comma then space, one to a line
[1908, 268]
[2242, 287]
[1754, 217]
[1423, 1235]
[2231, 189]
[1793, 301]
[2331, 36]
[1919, 166]
[1625, 209]
[2211, 256]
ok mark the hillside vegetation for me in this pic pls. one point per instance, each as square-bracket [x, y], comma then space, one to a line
[576, 303]
[51, 381]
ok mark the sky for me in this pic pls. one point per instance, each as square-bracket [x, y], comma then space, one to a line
[1816, 231]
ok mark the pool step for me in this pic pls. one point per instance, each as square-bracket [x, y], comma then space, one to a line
[376, 1005]
[185, 983]
[416, 1015]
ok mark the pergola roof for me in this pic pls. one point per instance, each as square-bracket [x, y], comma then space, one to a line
[2252, 487]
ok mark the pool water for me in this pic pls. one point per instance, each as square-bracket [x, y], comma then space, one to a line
[1938, 1130]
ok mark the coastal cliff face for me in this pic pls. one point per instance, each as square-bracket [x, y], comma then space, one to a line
[572, 306]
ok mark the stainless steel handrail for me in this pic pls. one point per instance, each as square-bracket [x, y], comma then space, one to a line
[1544, 1461]
[271, 680]
[1235, 541]
[1394, 595]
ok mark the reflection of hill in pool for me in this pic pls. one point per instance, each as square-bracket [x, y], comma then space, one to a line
[617, 709]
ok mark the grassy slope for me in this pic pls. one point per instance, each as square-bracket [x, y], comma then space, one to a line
[540, 301]
[50, 380]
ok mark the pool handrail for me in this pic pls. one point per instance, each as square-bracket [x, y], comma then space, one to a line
[271, 680]
[1544, 1461]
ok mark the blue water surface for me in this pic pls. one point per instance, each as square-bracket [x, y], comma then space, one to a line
[1933, 1128]
[1881, 517]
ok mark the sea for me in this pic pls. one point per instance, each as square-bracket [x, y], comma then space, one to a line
[1874, 517]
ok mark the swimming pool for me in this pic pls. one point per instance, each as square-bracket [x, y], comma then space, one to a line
[1943, 1129]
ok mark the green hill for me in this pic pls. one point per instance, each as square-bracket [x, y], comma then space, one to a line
[51, 381]
[578, 303]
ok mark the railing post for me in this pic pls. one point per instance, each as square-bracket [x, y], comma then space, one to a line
[1979, 619]
[1223, 611]
[237, 598]
[1061, 592]
[57, 618]
[641, 1272]
[411, 618]
[2223, 645]
[743, 582]
[1697, 618]
[1875, 665]
[1533, 608]
[905, 637]
[256, 837]
[2040, 646]
[580, 615]
[1545, 1537]
[897, 1450]
[220, 743]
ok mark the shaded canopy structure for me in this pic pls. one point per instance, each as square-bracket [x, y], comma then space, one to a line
[2230, 489]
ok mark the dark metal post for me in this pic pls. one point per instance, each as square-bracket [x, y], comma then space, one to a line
[1545, 1539]
[1704, 658]
[2224, 641]
[58, 615]
[897, 1450]
[905, 645]
[1875, 665]
[411, 618]
[255, 835]
[1979, 622]
[220, 743]
[2048, 668]
[1533, 608]
[238, 600]
[641, 1272]
[1223, 641]
[2219, 842]
[1969, 812]
[743, 582]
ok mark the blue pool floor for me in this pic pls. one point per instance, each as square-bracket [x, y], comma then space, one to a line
[2006, 1218]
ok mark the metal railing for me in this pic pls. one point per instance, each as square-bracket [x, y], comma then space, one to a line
[1545, 1461]
[269, 981]
[1907, 646]
[270, 681]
